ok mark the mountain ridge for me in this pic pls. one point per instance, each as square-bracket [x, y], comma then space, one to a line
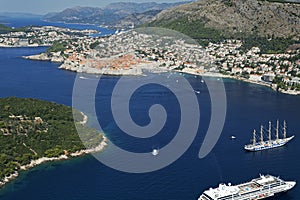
[234, 18]
[112, 14]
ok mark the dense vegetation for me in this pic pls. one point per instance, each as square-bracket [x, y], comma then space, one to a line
[194, 29]
[30, 129]
[5, 29]
[267, 45]
[57, 46]
[282, 85]
[198, 31]
[94, 45]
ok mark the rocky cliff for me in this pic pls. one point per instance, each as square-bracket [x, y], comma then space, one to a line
[233, 18]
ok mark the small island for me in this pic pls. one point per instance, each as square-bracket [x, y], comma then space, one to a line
[35, 131]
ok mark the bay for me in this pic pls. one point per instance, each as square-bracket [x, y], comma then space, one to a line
[83, 178]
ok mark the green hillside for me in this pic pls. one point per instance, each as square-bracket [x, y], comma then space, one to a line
[6, 29]
[31, 129]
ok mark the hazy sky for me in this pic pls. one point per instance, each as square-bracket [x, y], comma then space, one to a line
[45, 6]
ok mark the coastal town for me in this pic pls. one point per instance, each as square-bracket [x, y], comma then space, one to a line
[41, 36]
[131, 52]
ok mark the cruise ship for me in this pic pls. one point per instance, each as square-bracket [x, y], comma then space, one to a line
[270, 143]
[259, 188]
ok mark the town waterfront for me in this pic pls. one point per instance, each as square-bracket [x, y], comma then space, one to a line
[249, 105]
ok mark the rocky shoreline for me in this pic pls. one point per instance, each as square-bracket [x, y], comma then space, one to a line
[42, 160]
[44, 57]
[137, 71]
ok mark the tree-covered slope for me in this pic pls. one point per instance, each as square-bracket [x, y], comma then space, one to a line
[31, 129]
[6, 29]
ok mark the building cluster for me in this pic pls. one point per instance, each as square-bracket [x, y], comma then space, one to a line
[256, 66]
[112, 52]
[41, 36]
[169, 53]
[133, 50]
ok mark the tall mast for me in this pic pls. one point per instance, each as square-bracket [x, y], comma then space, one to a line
[261, 134]
[270, 126]
[277, 127]
[254, 137]
[284, 129]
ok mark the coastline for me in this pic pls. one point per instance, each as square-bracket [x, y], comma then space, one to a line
[269, 85]
[219, 75]
[62, 22]
[42, 160]
[23, 46]
[138, 72]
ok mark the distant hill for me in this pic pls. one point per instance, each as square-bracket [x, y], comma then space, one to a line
[4, 29]
[136, 18]
[232, 18]
[114, 14]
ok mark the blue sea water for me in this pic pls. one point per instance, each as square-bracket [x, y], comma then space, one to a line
[85, 178]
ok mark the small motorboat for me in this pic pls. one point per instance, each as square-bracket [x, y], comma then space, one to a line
[155, 152]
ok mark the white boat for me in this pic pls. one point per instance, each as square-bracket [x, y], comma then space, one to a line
[82, 77]
[259, 188]
[233, 137]
[155, 152]
[270, 143]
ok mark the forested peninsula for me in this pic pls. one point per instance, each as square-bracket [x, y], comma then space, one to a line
[35, 131]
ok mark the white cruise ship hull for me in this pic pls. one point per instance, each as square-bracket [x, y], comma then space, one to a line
[260, 188]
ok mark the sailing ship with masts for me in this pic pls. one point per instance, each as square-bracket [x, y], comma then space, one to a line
[270, 143]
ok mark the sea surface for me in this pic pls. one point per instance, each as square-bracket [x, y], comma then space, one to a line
[85, 178]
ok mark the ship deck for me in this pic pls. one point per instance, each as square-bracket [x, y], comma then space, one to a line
[248, 187]
[255, 187]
